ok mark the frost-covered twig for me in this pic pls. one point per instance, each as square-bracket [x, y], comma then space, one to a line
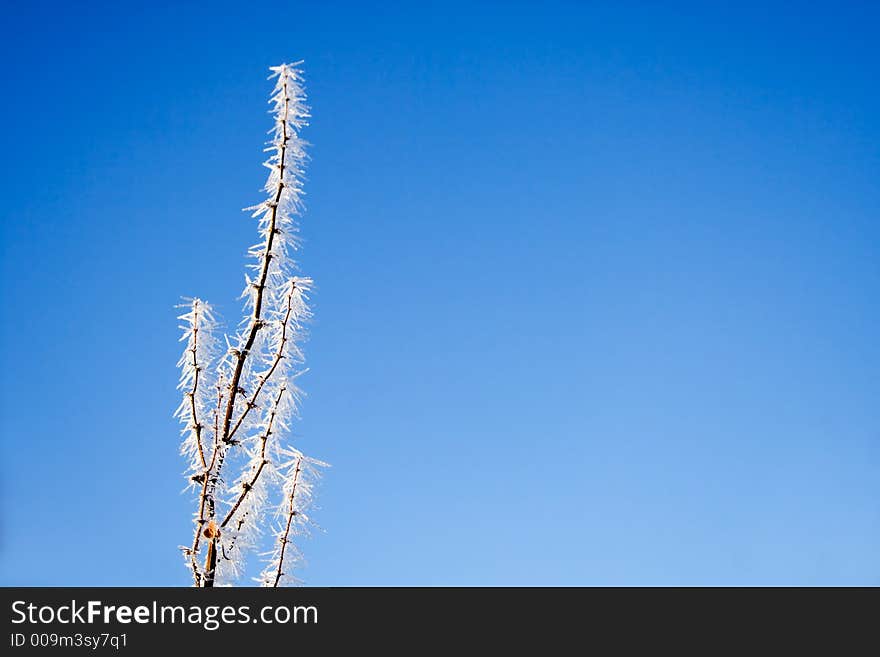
[198, 325]
[295, 313]
[283, 187]
[302, 474]
[284, 539]
[245, 404]
[275, 385]
[193, 364]
[248, 486]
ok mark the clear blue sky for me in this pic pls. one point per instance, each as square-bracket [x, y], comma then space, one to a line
[597, 284]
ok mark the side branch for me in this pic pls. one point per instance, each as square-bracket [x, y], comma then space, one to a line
[278, 357]
[291, 513]
[197, 426]
[206, 495]
[248, 486]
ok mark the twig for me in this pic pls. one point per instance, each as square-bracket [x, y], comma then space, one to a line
[206, 500]
[248, 486]
[279, 356]
[291, 512]
[256, 319]
[256, 322]
[197, 426]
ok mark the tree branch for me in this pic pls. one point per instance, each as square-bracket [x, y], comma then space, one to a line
[256, 322]
[279, 356]
[248, 486]
[291, 512]
[192, 394]
[206, 499]
[256, 318]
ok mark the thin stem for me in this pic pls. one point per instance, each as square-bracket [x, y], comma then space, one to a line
[291, 512]
[197, 426]
[256, 318]
[279, 356]
[248, 486]
[207, 502]
[206, 499]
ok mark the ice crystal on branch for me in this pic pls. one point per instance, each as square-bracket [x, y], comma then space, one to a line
[196, 382]
[237, 410]
[300, 474]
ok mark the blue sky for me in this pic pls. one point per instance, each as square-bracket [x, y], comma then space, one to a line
[597, 285]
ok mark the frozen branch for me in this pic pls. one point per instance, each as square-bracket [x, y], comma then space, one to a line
[302, 474]
[198, 355]
[295, 312]
[235, 414]
[248, 486]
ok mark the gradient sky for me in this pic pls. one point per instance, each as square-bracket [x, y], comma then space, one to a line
[597, 284]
